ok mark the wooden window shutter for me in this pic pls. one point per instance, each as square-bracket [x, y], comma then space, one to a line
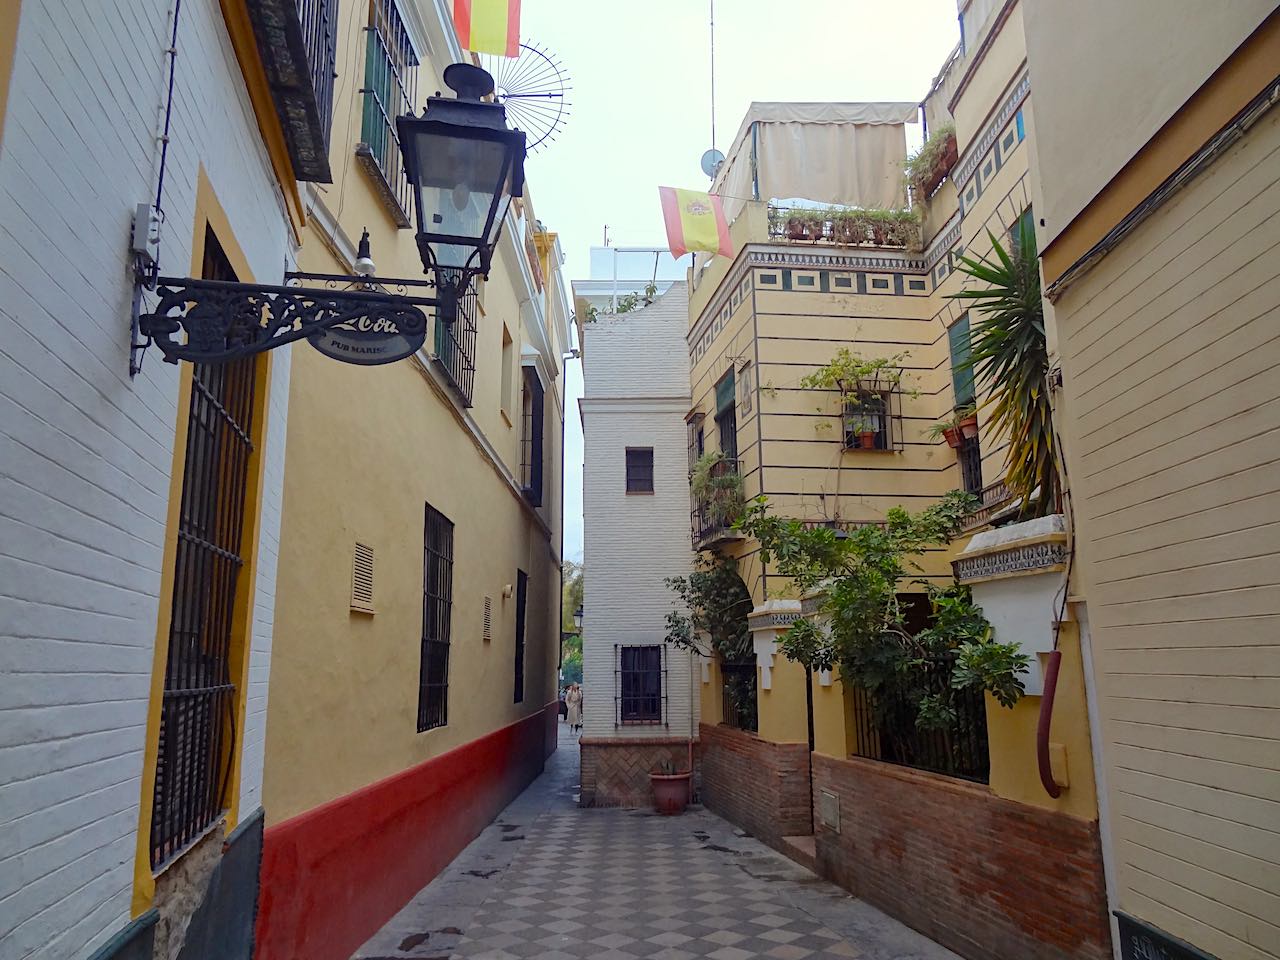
[362, 579]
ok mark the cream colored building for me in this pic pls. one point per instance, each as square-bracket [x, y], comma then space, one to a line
[1158, 248]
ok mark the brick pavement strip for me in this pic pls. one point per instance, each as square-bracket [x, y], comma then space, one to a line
[550, 880]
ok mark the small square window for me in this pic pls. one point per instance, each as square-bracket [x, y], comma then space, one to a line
[879, 283]
[1008, 139]
[845, 282]
[916, 284]
[1020, 126]
[639, 469]
[804, 281]
[768, 278]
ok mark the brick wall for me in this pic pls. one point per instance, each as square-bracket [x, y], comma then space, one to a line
[615, 770]
[989, 878]
[761, 786]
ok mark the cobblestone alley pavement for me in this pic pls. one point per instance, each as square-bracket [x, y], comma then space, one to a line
[553, 881]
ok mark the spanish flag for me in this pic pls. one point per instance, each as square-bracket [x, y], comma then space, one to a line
[488, 26]
[695, 221]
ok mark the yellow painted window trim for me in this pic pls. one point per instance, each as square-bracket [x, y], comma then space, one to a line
[208, 213]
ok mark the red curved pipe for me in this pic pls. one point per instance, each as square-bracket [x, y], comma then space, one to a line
[1042, 729]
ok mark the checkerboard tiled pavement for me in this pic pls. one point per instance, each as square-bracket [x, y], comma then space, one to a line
[552, 881]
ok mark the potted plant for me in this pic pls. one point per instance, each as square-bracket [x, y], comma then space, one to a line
[670, 788]
[864, 428]
[716, 485]
[953, 428]
[849, 227]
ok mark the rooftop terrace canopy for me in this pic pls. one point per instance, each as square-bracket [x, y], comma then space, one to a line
[849, 154]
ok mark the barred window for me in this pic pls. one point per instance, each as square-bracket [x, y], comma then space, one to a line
[198, 706]
[437, 621]
[390, 89]
[639, 469]
[533, 403]
[522, 600]
[640, 684]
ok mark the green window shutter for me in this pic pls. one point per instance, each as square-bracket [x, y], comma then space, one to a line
[961, 377]
[724, 393]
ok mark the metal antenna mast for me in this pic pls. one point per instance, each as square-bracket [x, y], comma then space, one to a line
[713, 74]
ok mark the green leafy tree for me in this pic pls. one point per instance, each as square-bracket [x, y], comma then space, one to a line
[714, 602]
[861, 624]
[1009, 356]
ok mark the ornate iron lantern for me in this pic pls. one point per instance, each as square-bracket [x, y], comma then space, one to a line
[465, 166]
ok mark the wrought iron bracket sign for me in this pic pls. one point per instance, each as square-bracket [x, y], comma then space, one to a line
[213, 321]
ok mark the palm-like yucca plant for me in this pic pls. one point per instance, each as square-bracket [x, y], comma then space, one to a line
[1010, 359]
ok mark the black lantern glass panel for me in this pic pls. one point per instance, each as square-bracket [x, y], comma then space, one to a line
[465, 165]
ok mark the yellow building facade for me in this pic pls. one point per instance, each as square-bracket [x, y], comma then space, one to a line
[783, 307]
[1157, 254]
[417, 613]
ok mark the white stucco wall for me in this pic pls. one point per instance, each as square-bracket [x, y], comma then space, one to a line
[86, 454]
[636, 395]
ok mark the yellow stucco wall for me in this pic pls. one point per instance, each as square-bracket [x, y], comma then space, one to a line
[1011, 734]
[368, 449]
[782, 710]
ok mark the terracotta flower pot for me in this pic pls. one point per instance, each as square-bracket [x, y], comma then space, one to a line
[953, 437]
[867, 440]
[969, 427]
[670, 792]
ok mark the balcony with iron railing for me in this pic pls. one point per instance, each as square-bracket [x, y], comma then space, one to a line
[995, 498]
[297, 45]
[715, 512]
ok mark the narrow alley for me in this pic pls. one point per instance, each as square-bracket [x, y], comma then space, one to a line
[552, 880]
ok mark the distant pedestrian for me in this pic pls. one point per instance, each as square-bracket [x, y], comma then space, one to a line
[573, 701]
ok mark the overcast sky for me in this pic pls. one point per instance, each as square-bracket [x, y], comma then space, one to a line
[641, 116]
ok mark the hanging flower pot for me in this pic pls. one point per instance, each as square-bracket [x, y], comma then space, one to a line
[969, 427]
[953, 437]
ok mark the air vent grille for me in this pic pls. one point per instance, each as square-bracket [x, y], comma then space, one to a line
[362, 579]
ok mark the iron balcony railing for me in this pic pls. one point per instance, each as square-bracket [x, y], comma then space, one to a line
[712, 519]
[995, 497]
[319, 20]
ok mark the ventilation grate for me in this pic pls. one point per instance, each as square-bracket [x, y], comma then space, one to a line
[362, 579]
[488, 618]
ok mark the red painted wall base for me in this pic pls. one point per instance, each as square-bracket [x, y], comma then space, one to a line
[333, 875]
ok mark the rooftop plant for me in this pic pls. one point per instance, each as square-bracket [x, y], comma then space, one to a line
[922, 165]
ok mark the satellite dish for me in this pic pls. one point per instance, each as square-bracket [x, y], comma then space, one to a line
[712, 160]
[534, 88]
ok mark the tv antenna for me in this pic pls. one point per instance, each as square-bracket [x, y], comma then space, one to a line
[713, 159]
[534, 87]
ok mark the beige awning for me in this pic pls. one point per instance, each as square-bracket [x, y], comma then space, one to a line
[832, 153]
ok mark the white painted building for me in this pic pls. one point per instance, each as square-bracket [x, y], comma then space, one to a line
[89, 468]
[641, 695]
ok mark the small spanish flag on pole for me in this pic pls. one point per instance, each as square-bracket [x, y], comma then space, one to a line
[695, 221]
[488, 26]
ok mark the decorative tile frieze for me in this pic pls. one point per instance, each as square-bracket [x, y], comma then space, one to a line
[968, 165]
[1027, 558]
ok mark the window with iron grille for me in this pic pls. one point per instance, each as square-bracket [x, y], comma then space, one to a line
[319, 20]
[522, 598]
[640, 684]
[872, 414]
[437, 621]
[727, 417]
[531, 437]
[198, 706]
[970, 454]
[455, 343]
[696, 436]
[639, 469]
[390, 89]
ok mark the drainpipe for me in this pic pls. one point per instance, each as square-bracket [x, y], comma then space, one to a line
[1046, 718]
